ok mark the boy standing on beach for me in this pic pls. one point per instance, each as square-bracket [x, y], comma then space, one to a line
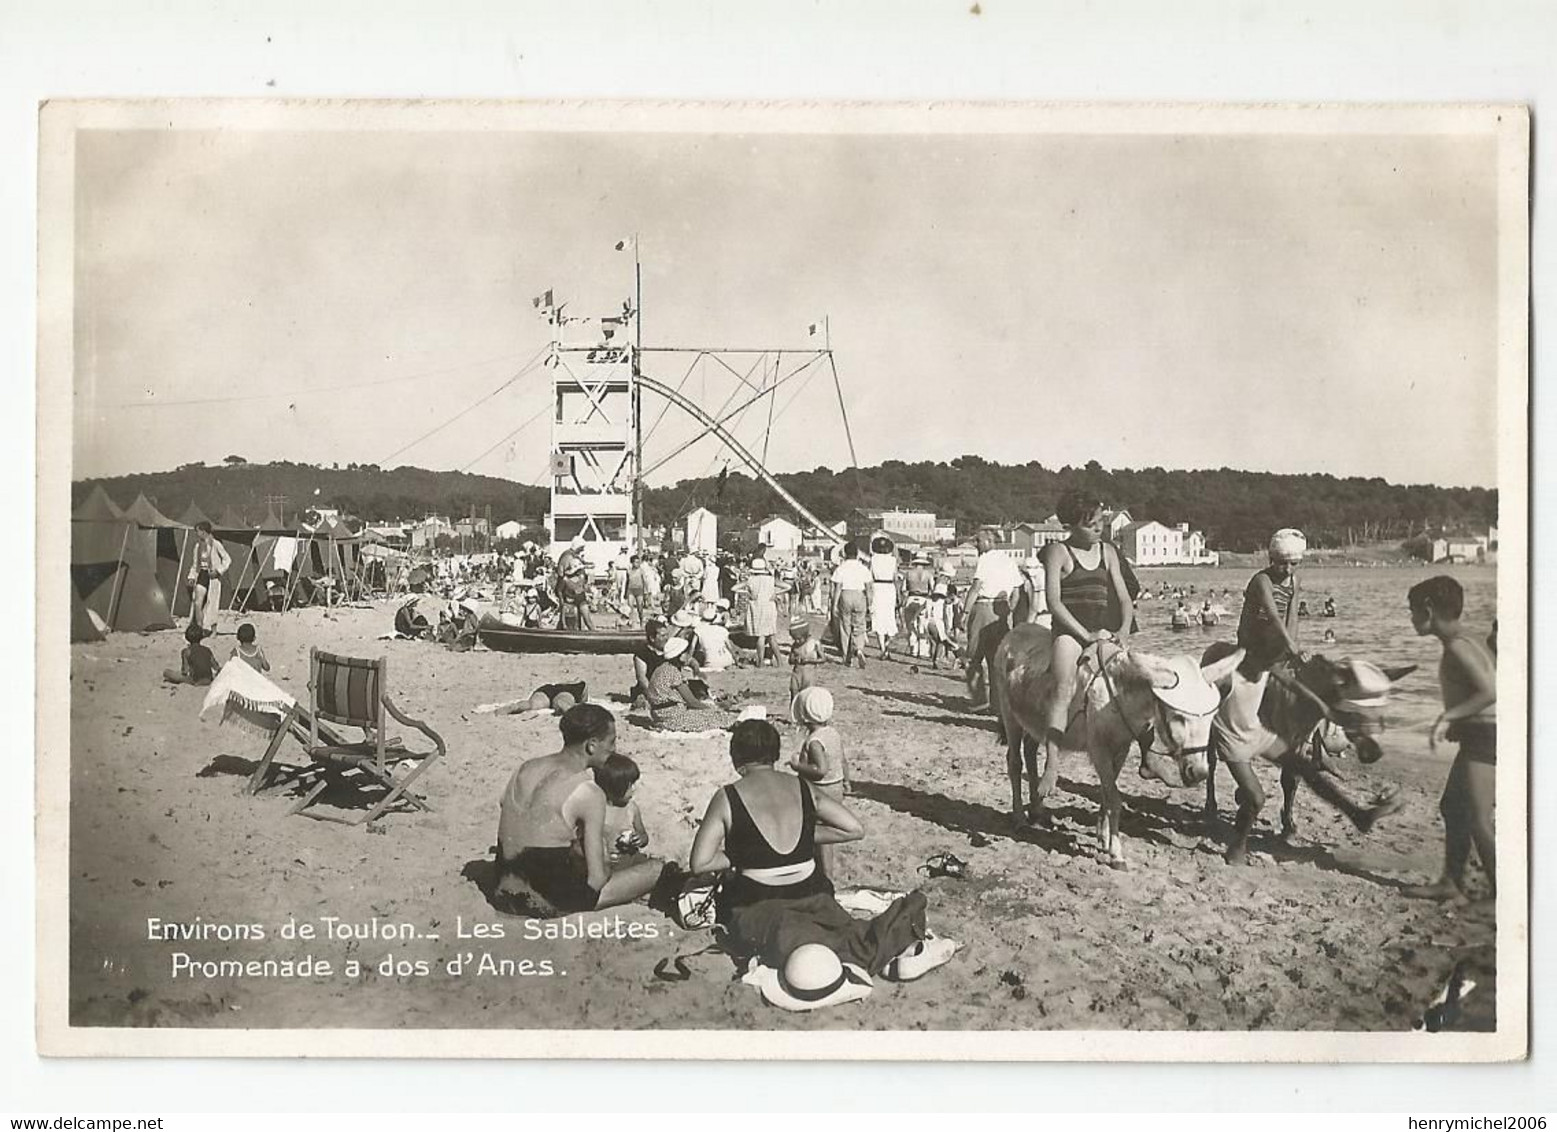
[1467, 676]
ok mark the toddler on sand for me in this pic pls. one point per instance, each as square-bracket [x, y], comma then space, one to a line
[805, 654]
[821, 759]
[624, 831]
[248, 649]
[196, 664]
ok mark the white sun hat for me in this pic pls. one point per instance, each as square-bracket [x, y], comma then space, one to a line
[812, 977]
[1192, 693]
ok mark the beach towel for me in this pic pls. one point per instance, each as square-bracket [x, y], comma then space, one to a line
[247, 697]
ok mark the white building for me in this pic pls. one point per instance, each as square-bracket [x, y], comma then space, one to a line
[779, 536]
[702, 531]
[510, 530]
[818, 543]
[1114, 522]
[1151, 543]
[1033, 537]
[426, 532]
[917, 526]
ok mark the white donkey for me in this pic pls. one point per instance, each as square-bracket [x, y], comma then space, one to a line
[1122, 698]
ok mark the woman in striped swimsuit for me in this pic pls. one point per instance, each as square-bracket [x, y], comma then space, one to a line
[1088, 599]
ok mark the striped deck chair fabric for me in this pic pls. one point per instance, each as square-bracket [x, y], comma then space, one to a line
[353, 691]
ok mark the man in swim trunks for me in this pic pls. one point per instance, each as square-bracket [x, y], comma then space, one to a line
[552, 813]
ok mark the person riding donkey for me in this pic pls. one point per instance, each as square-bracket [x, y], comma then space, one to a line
[1267, 632]
[1089, 601]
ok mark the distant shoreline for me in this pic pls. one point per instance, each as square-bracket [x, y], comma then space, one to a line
[1364, 554]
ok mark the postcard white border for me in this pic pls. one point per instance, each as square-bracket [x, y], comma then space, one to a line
[58, 126]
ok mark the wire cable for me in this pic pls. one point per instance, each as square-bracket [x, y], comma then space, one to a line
[310, 390]
[528, 366]
[528, 422]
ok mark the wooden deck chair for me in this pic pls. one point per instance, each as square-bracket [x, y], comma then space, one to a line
[352, 691]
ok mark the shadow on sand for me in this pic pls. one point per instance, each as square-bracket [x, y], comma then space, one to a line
[937, 700]
[976, 722]
[960, 816]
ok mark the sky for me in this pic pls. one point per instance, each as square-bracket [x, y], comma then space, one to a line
[1287, 303]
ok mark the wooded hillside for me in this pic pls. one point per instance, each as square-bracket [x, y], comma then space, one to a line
[1237, 510]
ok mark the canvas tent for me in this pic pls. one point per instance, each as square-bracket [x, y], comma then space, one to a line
[193, 516]
[97, 507]
[114, 568]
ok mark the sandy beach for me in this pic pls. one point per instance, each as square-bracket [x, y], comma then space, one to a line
[1315, 937]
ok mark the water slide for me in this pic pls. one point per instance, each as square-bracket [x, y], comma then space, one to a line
[711, 425]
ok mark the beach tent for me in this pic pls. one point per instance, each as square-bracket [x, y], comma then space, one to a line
[175, 545]
[84, 624]
[145, 514]
[97, 507]
[113, 567]
[259, 555]
[309, 558]
[193, 516]
[231, 520]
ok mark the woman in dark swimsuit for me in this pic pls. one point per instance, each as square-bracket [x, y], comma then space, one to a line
[775, 899]
[1089, 600]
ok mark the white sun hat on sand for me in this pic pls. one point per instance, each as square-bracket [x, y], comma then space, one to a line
[813, 977]
[674, 648]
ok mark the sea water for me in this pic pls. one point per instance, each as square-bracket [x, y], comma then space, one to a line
[1371, 623]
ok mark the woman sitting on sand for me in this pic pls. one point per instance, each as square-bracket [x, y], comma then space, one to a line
[776, 900]
[673, 703]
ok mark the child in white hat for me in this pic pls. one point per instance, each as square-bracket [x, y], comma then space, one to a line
[821, 759]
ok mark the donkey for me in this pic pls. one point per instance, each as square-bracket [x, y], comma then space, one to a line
[1299, 707]
[1121, 698]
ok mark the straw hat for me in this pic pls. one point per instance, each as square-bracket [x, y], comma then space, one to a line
[920, 559]
[722, 603]
[759, 565]
[812, 705]
[674, 648]
[798, 622]
[683, 618]
[1191, 693]
[812, 977]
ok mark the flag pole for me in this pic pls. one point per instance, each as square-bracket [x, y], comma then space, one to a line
[637, 397]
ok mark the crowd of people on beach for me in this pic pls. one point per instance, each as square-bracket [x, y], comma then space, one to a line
[571, 839]
[777, 904]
